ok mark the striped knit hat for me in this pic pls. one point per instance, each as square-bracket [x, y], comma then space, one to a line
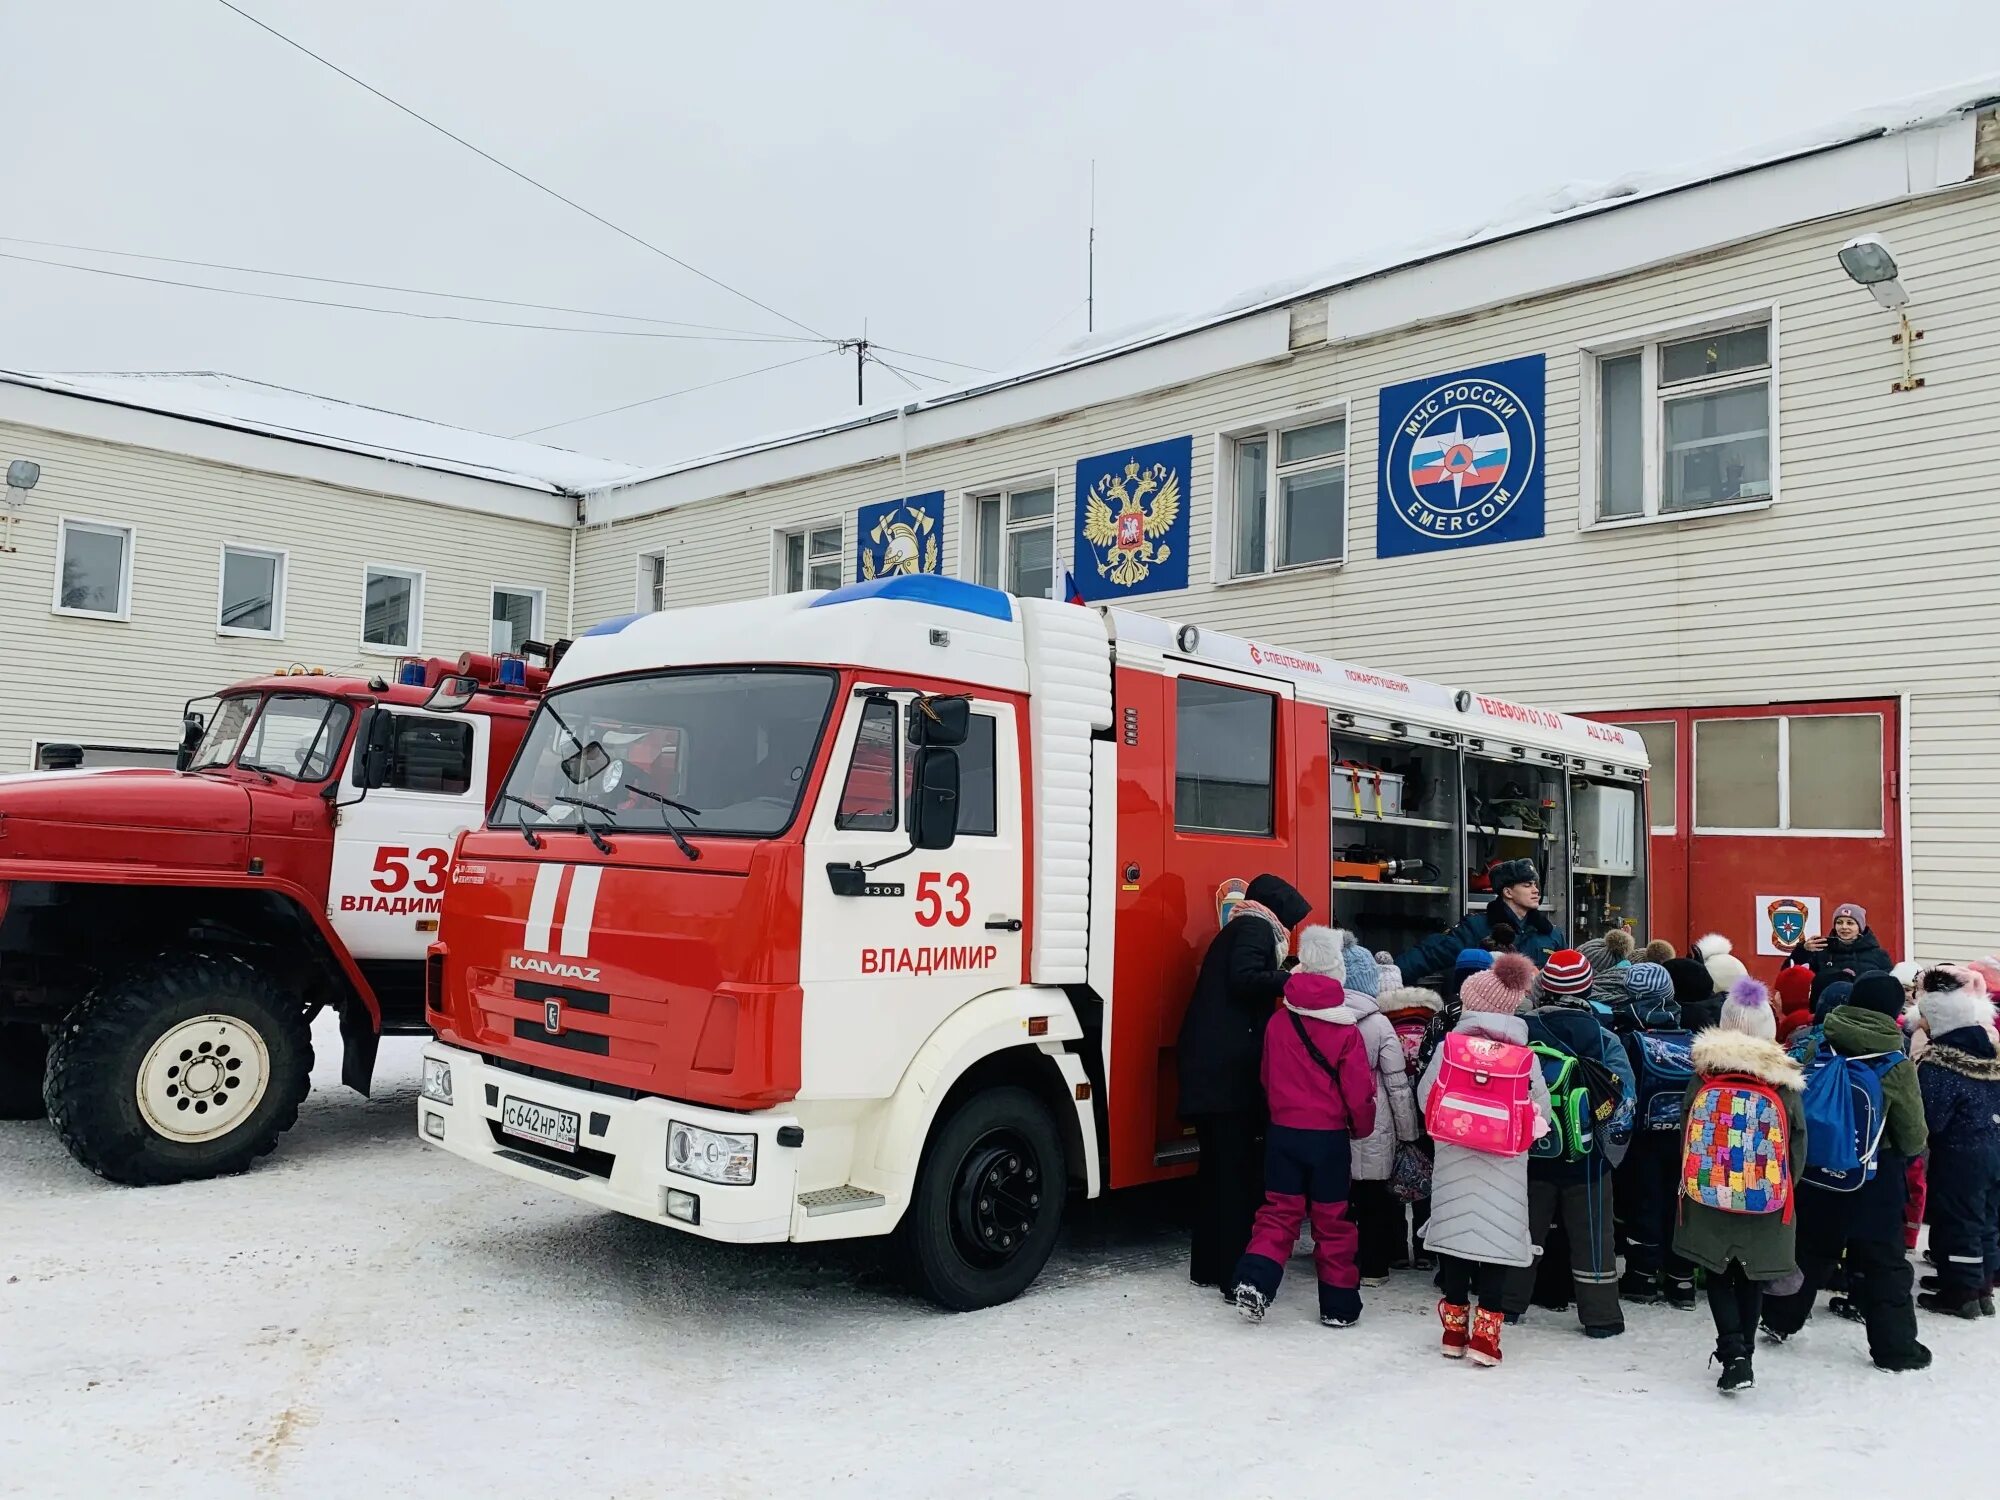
[1652, 991]
[1568, 972]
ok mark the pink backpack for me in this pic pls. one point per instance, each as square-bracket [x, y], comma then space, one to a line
[1481, 1100]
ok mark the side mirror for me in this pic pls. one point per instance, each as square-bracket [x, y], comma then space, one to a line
[586, 764]
[934, 807]
[377, 749]
[193, 727]
[940, 721]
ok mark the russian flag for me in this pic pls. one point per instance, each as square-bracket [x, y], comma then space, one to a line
[1070, 591]
[1440, 458]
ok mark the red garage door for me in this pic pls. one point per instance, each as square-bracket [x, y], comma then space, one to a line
[1770, 816]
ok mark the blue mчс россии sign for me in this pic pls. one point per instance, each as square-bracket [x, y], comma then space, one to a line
[1461, 459]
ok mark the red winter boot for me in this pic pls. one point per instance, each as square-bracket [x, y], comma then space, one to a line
[1453, 1315]
[1485, 1347]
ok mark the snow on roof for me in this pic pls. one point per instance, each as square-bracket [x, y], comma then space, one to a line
[300, 416]
[1524, 216]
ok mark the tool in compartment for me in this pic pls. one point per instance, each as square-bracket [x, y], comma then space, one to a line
[1359, 862]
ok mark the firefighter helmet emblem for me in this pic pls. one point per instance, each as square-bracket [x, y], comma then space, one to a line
[904, 539]
[1123, 528]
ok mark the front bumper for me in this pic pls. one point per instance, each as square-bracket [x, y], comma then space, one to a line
[621, 1163]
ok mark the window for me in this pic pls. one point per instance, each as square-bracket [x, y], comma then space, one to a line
[1223, 771]
[1684, 423]
[978, 780]
[392, 609]
[517, 617]
[296, 736]
[1287, 489]
[652, 582]
[868, 800]
[1819, 773]
[1014, 543]
[1664, 790]
[431, 754]
[811, 558]
[94, 570]
[253, 592]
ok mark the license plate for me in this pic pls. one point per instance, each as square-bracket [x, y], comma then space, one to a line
[537, 1122]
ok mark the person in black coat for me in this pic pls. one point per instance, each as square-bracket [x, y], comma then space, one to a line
[1220, 1053]
[1849, 951]
[1517, 907]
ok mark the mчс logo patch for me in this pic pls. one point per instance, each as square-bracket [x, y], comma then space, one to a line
[1461, 459]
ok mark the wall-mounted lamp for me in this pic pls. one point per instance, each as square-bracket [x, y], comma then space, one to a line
[1871, 264]
[22, 476]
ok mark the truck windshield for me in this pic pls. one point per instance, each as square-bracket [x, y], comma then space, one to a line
[732, 748]
[225, 729]
[297, 735]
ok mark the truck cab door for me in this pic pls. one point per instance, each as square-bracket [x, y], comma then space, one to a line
[926, 932]
[392, 848]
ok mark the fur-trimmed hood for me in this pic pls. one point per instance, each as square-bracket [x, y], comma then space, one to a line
[1411, 997]
[1965, 1064]
[1721, 1051]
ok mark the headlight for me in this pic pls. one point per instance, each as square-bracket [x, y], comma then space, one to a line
[437, 1080]
[711, 1155]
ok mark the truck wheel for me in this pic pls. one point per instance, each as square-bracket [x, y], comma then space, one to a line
[988, 1202]
[186, 1067]
[23, 1051]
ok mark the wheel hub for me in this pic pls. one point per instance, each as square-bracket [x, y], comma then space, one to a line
[203, 1078]
[997, 1198]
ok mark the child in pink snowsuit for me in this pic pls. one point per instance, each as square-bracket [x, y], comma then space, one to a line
[1321, 1091]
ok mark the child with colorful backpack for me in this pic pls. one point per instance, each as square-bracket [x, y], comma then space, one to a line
[1484, 1104]
[1321, 1088]
[1743, 1147]
[1588, 1077]
[1960, 1078]
[1864, 1113]
[1648, 1182]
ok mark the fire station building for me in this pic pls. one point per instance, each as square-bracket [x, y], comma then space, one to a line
[1705, 456]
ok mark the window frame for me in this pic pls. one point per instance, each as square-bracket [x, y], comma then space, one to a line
[403, 717]
[538, 622]
[650, 581]
[1672, 825]
[894, 812]
[781, 535]
[1785, 830]
[1271, 430]
[970, 500]
[130, 533]
[1646, 343]
[283, 558]
[418, 581]
[1273, 766]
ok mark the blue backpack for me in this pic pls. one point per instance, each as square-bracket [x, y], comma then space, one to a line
[1664, 1061]
[1844, 1119]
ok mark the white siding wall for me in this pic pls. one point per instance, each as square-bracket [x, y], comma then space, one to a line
[106, 682]
[1876, 572]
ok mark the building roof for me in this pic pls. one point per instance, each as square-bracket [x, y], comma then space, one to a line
[1565, 205]
[321, 421]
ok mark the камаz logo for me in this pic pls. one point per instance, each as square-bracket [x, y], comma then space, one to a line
[1461, 459]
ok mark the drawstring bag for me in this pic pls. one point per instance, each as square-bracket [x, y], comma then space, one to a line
[1410, 1175]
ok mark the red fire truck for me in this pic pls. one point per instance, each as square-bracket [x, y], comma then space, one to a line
[876, 911]
[167, 936]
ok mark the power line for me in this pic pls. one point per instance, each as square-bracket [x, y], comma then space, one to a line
[517, 173]
[932, 359]
[405, 312]
[669, 395]
[381, 286]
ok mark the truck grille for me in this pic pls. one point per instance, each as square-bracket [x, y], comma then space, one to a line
[596, 1043]
[583, 1159]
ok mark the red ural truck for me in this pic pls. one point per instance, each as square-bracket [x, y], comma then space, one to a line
[167, 936]
[876, 911]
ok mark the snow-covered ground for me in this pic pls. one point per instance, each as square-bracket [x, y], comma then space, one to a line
[360, 1316]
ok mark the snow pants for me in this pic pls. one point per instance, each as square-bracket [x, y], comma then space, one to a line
[1878, 1278]
[1734, 1301]
[1586, 1212]
[1228, 1186]
[1965, 1221]
[1306, 1172]
[1649, 1192]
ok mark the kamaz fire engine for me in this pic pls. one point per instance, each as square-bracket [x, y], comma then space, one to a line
[876, 911]
[166, 937]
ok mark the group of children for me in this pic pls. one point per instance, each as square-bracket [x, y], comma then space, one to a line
[1771, 1145]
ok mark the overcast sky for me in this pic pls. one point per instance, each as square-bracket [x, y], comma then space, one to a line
[919, 166]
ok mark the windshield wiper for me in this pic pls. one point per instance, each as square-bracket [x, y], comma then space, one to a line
[603, 844]
[692, 814]
[526, 832]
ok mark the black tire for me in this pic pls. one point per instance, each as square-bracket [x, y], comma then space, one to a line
[988, 1202]
[24, 1051]
[93, 1079]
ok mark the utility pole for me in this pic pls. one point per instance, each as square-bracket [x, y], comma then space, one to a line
[860, 347]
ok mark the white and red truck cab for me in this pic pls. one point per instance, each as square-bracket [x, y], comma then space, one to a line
[838, 914]
[166, 936]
